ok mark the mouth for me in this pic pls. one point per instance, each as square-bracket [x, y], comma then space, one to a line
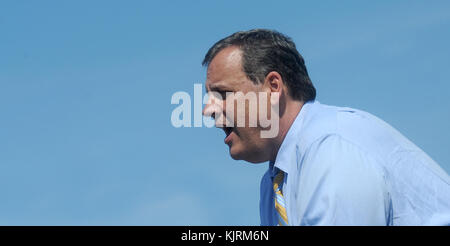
[228, 131]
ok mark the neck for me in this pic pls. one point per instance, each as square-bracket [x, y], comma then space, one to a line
[290, 114]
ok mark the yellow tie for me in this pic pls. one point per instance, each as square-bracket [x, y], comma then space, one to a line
[279, 199]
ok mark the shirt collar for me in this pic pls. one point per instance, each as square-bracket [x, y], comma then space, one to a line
[287, 154]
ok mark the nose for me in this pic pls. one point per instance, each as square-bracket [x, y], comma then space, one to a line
[208, 110]
[214, 109]
[213, 105]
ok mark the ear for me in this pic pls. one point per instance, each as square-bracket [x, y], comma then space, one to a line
[273, 84]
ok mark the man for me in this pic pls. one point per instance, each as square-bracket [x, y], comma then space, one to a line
[327, 165]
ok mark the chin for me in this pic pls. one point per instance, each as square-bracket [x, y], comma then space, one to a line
[242, 154]
[236, 155]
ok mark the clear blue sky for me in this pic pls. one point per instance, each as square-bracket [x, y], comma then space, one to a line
[85, 89]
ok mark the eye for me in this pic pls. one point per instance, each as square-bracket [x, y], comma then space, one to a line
[223, 94]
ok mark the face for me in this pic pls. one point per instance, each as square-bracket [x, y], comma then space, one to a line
[224, 75]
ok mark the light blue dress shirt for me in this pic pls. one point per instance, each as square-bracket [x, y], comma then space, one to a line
[347, 167]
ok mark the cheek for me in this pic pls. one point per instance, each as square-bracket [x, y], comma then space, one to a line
[248, 135]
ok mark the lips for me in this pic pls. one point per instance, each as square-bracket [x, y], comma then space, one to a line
[228, 131]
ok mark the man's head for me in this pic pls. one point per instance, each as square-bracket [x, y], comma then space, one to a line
[257, 61]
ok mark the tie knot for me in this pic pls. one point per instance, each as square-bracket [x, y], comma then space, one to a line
[278, 180]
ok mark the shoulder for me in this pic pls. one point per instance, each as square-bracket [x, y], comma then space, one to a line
[325, 126]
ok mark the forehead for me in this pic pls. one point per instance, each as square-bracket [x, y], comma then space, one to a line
[225, 67]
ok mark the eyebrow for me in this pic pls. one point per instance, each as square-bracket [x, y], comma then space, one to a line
[217, 86]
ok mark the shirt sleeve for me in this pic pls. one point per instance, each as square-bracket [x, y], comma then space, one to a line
[340, 184]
